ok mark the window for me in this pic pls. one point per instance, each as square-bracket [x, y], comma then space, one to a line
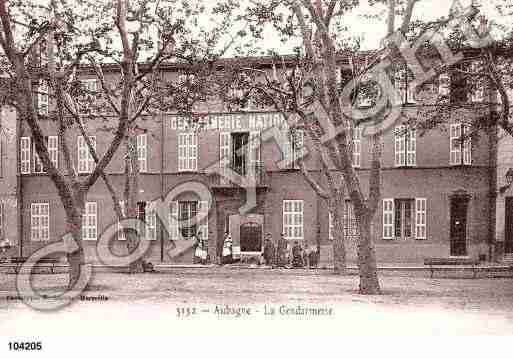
[25, 155]
[52, 144]
[460, 153]
[89, 85]
[187, 211]
[477, 90]
[405, 146]
[293, 148]
[89, 222]
[401, 84]
[89, 90]
[404, 218]
[39, 222]
[254, 153]
[357, 146]
[239, 151]
[350, 223]
[85, 159]
[42, 98]
[142, 152]
[444, 85]
[187, 152]
[293, 219]
[403, 224]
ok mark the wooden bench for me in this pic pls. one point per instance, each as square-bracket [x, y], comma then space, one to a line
[17, 262]
[446, 263]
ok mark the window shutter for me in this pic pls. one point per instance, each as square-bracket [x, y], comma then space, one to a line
[388, 218]
[25, 155]
[182, 151]
[330, 226]
[400, 144]
[420, 218]
[357, 146]
[53, 150]
[203, 219]
[467, 145]
[254, 145]
[411, 150]
[455, 144]
[298, 143]
[174, 221]
[151, 221]
[193, 151]
[121, 234]
[142, 152]
[225, 145]
[286, 148]
[91, 163]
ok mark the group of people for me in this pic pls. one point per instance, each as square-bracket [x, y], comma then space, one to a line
[279, 255]
[275, 255]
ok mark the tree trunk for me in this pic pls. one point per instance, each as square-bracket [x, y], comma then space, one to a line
[369, 283]
[339, 250]
[136, 266]
[74, 214]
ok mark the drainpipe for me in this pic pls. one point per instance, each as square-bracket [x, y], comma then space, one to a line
[19, 184]
[162, 182]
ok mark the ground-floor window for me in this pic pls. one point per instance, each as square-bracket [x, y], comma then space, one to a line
[40, 221]
[404, 218]
[187, 211]
[350, 223]
[293, 219]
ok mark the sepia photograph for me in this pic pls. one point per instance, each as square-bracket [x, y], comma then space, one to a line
[196, 173]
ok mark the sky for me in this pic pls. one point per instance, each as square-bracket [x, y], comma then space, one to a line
[373, 30]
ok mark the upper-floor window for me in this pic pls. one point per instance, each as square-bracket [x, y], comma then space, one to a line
[293, 148]
[28, 151]
[187, 151]
[477, 83]
[460, 144]
[43, 98]
[402, 82]
[85, 158]
[405, 146]
[444, 85]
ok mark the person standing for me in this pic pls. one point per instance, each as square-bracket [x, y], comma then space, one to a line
[227, 249]
[268, 250]
[297, 255]
[199, 254]
[281, 260]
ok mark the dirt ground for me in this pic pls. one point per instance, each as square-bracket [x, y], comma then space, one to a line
[411, 304]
